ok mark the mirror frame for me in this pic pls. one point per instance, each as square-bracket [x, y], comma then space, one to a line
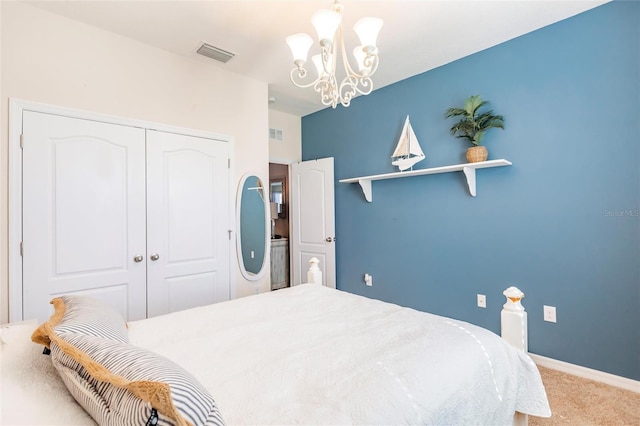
[246, 274]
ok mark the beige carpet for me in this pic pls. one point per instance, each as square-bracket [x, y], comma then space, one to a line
[583, 402]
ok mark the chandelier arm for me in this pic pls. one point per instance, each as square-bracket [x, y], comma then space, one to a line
[329, 94]
[356, 82]
[367, 84]
[328, 56]
[371, 61]
[298, 74]
[329, 61]
[321, 87]
[345, 58]
[362, 85]
[353, 85]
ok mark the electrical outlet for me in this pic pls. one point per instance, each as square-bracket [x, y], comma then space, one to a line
[482, 301]
[549, 313]
[368, 280]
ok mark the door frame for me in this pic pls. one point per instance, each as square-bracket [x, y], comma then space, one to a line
[16, 108]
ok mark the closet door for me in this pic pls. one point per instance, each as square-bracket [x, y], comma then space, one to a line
[83, 213]
[188, 242]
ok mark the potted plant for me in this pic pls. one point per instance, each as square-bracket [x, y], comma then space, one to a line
[473, 124]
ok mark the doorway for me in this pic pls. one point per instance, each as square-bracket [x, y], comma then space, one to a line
[279, 218]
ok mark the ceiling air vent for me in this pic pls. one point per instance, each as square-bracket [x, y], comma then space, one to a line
[215, 53]
[275, 134]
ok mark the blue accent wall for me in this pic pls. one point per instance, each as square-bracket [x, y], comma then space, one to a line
[562, 223]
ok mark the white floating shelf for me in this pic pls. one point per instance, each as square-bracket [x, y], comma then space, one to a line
[469, 170]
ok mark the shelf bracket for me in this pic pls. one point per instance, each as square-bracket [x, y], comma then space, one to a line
[470, 173]
[365, 184]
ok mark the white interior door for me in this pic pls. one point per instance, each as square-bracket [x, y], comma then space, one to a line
[83, 213]
[313, 219]
[188, 222]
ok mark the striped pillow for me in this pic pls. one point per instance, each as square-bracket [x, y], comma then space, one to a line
[115, 382]
[84, 315]
[121, 384]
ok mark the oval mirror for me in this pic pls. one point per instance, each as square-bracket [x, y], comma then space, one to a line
[252, 230]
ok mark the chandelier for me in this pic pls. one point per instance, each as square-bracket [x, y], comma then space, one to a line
[328, 25]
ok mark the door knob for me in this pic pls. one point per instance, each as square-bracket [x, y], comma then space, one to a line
[330, 239]
[154, 257]
[138, 258]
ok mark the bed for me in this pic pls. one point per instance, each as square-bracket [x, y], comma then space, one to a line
[305, 355]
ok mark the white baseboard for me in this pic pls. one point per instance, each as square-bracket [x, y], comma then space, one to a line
[587, 373]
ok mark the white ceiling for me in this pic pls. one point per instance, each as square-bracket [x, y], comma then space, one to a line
[418, 35]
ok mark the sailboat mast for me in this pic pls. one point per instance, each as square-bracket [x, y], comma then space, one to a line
[408, 138]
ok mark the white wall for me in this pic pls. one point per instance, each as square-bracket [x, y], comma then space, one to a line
[3, 194]
[53, 60]
[289, 150]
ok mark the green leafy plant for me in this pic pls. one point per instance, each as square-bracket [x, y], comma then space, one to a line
[473, 124]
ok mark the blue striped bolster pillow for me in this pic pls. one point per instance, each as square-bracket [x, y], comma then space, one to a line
[121, 384]
[115, 382]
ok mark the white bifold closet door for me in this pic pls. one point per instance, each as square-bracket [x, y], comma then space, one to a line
[137, 218]
[187, 222]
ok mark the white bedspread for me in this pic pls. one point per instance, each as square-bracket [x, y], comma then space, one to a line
[313, 355]
[31, 392]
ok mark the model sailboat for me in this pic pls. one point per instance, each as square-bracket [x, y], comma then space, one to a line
[408, 151]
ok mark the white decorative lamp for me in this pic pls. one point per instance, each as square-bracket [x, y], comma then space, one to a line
[328, 25]
[314, 274]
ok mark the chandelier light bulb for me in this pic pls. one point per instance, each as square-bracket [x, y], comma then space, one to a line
[299, 44]
[367, 30]
[326, 22]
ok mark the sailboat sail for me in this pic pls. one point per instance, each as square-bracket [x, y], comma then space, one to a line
[408, 151]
